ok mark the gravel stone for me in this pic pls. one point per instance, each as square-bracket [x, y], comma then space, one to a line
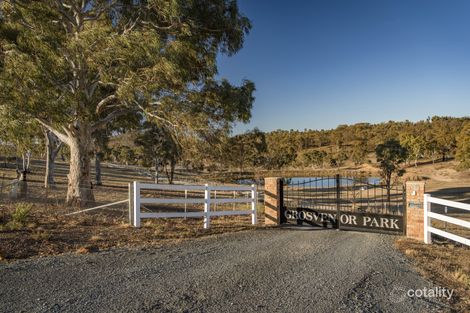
[264, 270]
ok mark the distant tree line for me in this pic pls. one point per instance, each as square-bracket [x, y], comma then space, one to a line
[388, 145]
[434, 139]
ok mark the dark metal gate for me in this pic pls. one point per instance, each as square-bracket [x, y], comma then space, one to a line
[342, 202]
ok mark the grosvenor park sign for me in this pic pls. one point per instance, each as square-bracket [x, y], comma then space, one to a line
[361, 220]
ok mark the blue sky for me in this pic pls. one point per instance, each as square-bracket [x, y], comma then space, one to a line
[318, 64]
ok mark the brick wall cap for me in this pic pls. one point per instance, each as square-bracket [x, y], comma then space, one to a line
[416, 182]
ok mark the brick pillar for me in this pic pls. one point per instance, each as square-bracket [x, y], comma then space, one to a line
[415, 209]
[272, 200]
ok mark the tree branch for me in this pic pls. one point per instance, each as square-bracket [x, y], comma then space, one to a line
[104, 102]
[108, 118]
[156, 116]
[157, 27]
[61, 136]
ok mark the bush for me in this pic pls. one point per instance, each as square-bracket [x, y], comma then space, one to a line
[21, 212]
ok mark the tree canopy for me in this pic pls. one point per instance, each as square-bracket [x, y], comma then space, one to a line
[331, 147]
[463, 147]
[76, 66]
[390, 155]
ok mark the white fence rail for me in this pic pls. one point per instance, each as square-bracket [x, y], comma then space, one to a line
[428, 215]
[107, 205]
[136, 201]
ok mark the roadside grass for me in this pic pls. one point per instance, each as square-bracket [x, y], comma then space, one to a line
[445, 264]
[17, 218]
[21, 212]
[43, 230]
[37, 226]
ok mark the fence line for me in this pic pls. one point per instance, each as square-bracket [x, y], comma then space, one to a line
[13, 193]
[136, 215]
[99, 207]
[428, 215]
[13, 182]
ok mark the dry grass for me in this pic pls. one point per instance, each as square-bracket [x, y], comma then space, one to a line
[445, 264]
[43, 229]
[46, 231]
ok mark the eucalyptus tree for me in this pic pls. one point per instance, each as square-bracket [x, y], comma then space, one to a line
[159, 147]
[248, 149]
[22, 134]
[390, 155]
[359, 152]
[463, 147]
[313, 158]
[101, 138]
[25, 134]
[415, 144]
[53, 146]
[444, 134]
[99, 60]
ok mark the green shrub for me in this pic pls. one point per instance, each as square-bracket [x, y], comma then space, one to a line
[12, 225]
[21, 212]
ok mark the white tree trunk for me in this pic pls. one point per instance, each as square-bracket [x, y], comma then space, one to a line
[53, 145]
[79, 190]
[28, 162]
[23, 157]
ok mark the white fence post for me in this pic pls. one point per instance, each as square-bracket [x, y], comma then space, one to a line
[427, 219]
[136, 204]
[207, 206]
[253, 204]
[131, 203]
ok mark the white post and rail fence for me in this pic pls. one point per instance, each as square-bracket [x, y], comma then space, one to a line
[136, 201]
[418, 206]
[429, 215]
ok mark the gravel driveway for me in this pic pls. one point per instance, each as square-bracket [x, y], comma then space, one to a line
[273, 270]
